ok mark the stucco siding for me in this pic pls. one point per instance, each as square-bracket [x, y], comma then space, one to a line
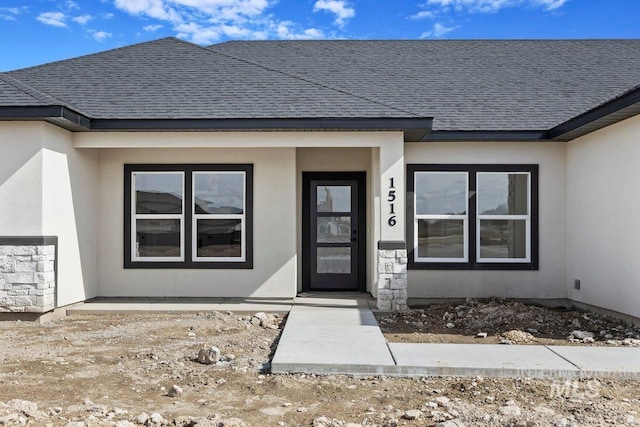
[21, 178]
[549, 280]
[70, 211]
[274, 219]
[603, 234]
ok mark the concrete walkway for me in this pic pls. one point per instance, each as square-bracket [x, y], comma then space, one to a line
[329, 336]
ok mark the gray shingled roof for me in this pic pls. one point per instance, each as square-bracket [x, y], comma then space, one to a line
[172, 79]
[12, 94]
[463, 84]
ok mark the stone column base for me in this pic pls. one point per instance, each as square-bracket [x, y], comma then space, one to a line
[28, 274]
[392, 276]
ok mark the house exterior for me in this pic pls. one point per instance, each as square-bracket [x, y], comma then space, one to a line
[408, 169]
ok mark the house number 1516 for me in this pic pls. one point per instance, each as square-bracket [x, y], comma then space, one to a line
[391, 198]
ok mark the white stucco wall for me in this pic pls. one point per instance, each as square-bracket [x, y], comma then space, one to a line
[47, 187]
[70, 211]
[274, 219]
[547, 282]
[603, 236]
[21, 178]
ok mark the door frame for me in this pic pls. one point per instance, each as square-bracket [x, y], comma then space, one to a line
[361, 179]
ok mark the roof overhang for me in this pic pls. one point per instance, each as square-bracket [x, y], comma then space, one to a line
[623, 107]
[415, 129]
[490, 135]
[57, 115]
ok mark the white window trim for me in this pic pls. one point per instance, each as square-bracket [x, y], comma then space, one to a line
[464, 218]
[135, 216]
[195, 217]
[526, 218]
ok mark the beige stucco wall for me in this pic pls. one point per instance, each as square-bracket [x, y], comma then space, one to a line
[47, 187]
[549, 280]
[274, 272]
[603, 236]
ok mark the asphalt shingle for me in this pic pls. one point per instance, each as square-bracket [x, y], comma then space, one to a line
[464, 84]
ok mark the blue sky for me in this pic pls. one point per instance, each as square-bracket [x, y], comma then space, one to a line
[33, 32]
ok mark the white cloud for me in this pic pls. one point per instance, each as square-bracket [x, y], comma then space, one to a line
[10, 13]
[208, 21]
[100, 36]
[491, 6]
[286, 31]
[82, 19]
[438, 30]
[152, 28]
[338, 8]
[107, 16]
[422, 15]
[55, 19]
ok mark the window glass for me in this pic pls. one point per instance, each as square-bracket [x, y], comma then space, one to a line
[441, 193]
[334, 260]
[219, 238]
[334, 229]
[503, 193]
[158, 238]
[503, 239]
[158, 193]
[218, 192]
[334, 198]
[438, 238]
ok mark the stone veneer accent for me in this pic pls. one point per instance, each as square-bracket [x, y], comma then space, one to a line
[27, 274]
[392, 276]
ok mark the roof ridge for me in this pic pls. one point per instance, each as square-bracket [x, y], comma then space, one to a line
[37, 93]
[308, 80]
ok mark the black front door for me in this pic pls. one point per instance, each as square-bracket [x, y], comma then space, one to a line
[334, 247]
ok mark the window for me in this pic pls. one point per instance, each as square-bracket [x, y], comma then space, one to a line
[472, 216]
[188, 216]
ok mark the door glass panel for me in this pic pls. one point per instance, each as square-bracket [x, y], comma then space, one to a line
[334, 260]
[334, 198]
[218, 192]
[158, 193]
[158, 238]
[441, 193]
[440, 238]
[503, 193]
[219, 238]
[503, 239]
[334, 229]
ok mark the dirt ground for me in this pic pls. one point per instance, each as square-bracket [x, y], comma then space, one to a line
[119, 370]
[506, 322]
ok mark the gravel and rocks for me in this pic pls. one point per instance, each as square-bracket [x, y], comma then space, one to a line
[498, 321]
[117, 370]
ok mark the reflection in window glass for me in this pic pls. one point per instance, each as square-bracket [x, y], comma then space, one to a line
[503, 193]
[440, 238]
[158, 193]
[158, 238]
[218, 192]
[219, 238]
[334, 229]
[333, 198]
[334, 260]
[441, 193]
[503, 239]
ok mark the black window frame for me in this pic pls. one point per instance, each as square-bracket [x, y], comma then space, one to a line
[472, 263]
[188, 170]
